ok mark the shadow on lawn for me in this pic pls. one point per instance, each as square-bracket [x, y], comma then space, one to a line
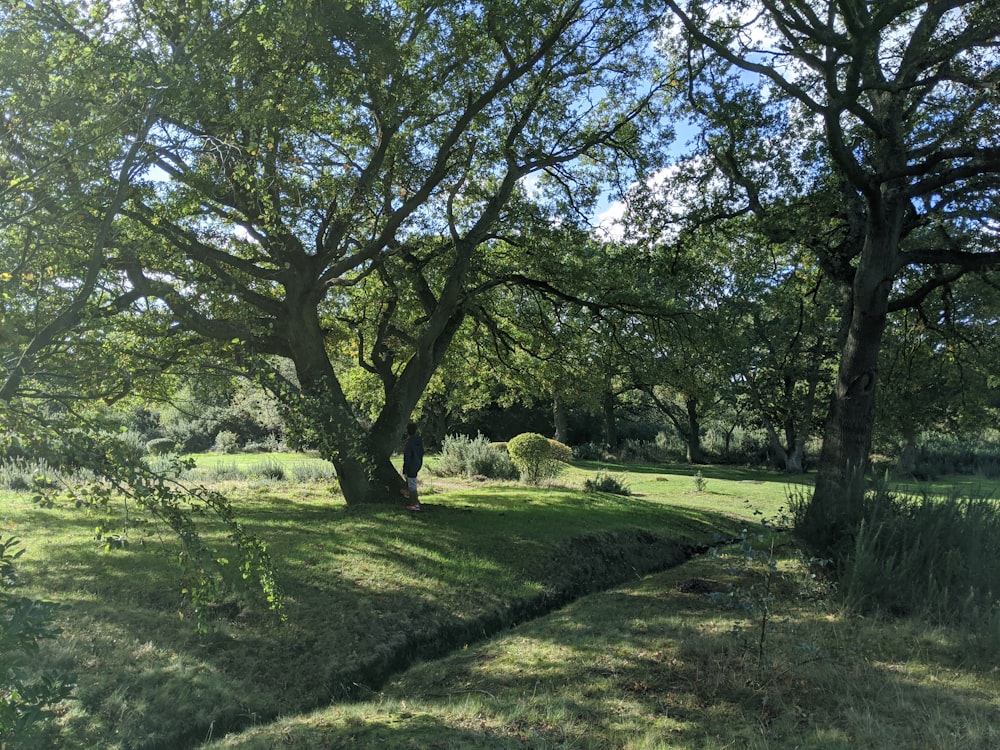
[635, 652]
[369, 590]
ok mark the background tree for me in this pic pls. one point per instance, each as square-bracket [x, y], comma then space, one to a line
[938, 368]
[781, 311]
[71, 148]
[903, 95]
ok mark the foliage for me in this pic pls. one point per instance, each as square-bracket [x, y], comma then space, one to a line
[532, 454]
[28, 695]
[560, 452]
[272, 470]
[700, 483]
[972, 455]
[878, 168]
[95, 471]
[340, 186]
[226, 442]
[474, 457]
[20, 474]
[937, 371]
[753, 560]
[612, 484]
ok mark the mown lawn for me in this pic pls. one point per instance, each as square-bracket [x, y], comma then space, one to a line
[370, 590]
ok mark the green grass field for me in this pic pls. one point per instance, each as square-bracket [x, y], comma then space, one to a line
[486, 595]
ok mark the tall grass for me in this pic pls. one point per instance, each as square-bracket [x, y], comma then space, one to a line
[933, 558]
[462, 456]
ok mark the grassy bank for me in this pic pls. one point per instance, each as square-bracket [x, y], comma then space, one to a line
[367, 589]
[669, 662]
[370, 590]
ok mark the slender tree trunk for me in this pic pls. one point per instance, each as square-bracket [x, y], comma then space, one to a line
[694, 452]
[796, 446]
[560, 419]
[610, 423]
[908, 455]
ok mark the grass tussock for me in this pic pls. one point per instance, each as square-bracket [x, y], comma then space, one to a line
[922, 556]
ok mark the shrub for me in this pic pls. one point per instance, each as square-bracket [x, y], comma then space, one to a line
[699, 482]
[21, 475]
[532, 455]
[560, 451]
[471, 457]
[609, 483]
[942, 454]
[225, 473]
[227, 442]
[135, 441]
[269, 470]
[160, 446]
[313, 472]
[588, 452]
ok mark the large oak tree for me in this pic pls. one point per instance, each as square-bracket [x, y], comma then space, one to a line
[316, 179]
[898, 99]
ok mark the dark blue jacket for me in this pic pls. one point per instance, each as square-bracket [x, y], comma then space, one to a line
[413, 455]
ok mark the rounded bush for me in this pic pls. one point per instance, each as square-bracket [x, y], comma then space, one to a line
[532, 454]
[560, 451]
[161, 446]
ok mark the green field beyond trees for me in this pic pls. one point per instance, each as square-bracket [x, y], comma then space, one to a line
[502, 616]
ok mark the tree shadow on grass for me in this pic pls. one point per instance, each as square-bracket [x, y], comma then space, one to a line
[633, 658]
[369, 590]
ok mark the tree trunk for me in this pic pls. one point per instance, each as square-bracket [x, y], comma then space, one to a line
[694, 452]
[795, 445]
[361, 457]
[908, 455]
[795, 458]
[610, 424]
[780, 455]
[837, 502]
[560, 419]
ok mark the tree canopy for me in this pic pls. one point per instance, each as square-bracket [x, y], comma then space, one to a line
[317, 179]
[359, 188]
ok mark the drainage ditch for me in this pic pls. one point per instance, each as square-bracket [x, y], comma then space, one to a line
[582, 565]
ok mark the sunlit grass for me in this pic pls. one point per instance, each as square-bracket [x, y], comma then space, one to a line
[644, 666]
[649, 666]
[365, 589]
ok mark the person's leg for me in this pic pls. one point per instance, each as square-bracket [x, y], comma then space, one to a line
[411, 484]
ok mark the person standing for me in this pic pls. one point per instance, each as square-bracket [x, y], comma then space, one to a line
[413, 461]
